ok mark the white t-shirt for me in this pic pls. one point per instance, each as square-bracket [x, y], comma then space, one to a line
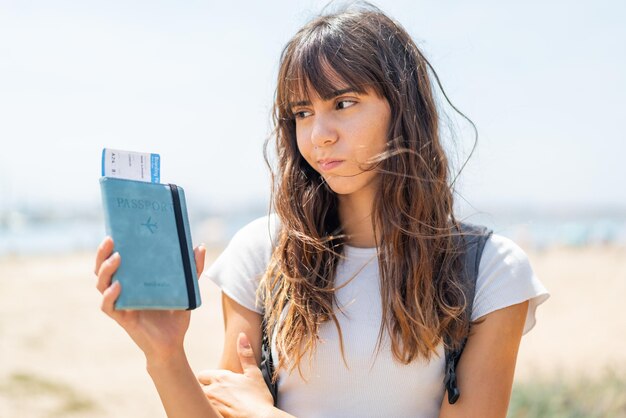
[371, 384]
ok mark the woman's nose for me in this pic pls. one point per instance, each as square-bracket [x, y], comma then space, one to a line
[323, 131]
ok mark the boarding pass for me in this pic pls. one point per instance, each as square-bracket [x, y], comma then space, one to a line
[142, 166]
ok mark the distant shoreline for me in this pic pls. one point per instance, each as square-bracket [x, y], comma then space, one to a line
[532, 232]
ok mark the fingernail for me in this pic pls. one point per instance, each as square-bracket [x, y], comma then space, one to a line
[243, 341]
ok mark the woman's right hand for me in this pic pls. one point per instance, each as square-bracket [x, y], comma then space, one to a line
[158, 333]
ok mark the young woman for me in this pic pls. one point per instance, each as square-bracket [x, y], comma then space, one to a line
[357, 272]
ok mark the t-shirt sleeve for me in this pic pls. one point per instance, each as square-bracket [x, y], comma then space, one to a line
[240, 267]
[506, 278]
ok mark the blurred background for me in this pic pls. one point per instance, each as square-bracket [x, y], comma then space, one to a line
[193, 81]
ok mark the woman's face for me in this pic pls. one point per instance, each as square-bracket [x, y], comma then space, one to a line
[339, 135]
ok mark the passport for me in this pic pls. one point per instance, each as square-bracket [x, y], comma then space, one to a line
[150, 229]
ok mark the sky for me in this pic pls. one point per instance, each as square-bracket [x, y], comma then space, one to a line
[194, 80]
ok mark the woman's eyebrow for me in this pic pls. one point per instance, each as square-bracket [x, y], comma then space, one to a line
[299, 103]
[329, 96]
[336, 93]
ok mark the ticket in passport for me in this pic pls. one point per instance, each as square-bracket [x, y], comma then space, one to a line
[130, 165]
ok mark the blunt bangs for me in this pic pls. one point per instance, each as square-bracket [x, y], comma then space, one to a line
[322, 61]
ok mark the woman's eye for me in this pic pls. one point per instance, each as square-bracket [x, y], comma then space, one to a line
[343, 104]
[301, 114]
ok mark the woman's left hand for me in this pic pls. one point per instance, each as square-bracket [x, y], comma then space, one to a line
[238, 395]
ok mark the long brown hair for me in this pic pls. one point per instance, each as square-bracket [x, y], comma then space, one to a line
[412, 215]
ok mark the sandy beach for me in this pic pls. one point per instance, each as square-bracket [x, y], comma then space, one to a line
[60, 356]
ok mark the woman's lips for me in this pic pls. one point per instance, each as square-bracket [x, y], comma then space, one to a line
[329, 164]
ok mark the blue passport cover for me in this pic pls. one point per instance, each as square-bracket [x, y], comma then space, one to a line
[139, 216]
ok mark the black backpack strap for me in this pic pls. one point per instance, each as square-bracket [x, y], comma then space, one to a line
[472, 239]
[267, 364]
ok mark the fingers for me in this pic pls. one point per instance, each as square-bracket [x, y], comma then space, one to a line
[104, 251]
[109, 296]
[220, 403]
[208, 377]
[106, 270]
[106, 265]
[246, 356]
[199, 253]
[213, 385]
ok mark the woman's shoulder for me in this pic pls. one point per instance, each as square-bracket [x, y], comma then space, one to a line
[239, 268]
[505, 278]
[500, 249]
[497, 252]
[259, 235]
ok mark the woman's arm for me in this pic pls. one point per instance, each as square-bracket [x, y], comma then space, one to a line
[485, 370]
[241, 394]
[160, 335]
[178, 388]
[239, 389]
[238, 319]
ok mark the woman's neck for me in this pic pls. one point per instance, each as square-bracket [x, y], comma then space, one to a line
[355, 215]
